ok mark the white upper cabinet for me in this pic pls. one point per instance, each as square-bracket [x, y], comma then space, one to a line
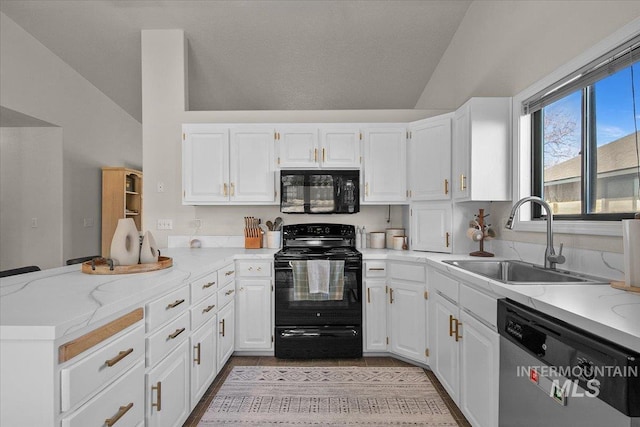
[482, 150]
[297, 147]
[385, 165]
[327, 146]
[340, 147]
[430, 159]
[205, 164]
[252, 168]
[431, 226]
[228, 165]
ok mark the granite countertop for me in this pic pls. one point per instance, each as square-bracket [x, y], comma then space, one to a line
[57, 303]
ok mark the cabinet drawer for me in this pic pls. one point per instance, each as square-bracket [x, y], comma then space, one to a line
[409, 272]
[166, 308]
[375, 268]
[204, 287]
[480, 305]
[204, 311]
[167, 338]
[226, 275]
[226, 294]
[443, 284]
[253, 268]
[124, 400]
[92, 372]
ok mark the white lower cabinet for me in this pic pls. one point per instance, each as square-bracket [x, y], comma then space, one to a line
[226, 331]
[253, 314]
[122, 402]
[466, 347]
[203, 359]
[167, 390]
[375, 315]
[407, 320]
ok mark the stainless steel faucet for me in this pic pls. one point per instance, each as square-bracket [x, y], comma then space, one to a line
[550, 257]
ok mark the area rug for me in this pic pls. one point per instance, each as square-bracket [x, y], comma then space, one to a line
[327, 396]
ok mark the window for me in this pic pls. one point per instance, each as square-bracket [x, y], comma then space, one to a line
[585, 141]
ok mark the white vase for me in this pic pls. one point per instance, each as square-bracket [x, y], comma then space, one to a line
[149, 251]
[125, 245]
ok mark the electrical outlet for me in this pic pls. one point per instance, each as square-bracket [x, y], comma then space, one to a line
[165, 224]
[160, 187]
[196, 223]
[34, 222]
[88, 222]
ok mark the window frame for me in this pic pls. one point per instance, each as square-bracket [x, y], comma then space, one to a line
[522, 143]
[588, 174]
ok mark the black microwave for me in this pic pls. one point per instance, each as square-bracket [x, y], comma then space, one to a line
[320, 191]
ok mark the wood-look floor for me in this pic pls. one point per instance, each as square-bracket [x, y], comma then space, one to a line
[202, 406]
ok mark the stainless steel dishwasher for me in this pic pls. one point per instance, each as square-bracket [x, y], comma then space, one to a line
[555, 374]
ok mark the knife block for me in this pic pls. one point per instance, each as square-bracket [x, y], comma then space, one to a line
[253, 242]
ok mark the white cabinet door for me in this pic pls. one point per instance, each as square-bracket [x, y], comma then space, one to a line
[407, 320]
[167, 390]
[461, 152]
[253, 314]
[385, 165]
[298, 147]
[431, 226]
[203, 360]
[482, 150]
[445, 355]
[226, 331]
[205, 164]
[375, 315]
[340, 147]
[252, 163]
[479, 372]
[430, 159]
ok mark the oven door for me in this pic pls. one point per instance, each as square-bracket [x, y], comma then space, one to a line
[289, 312]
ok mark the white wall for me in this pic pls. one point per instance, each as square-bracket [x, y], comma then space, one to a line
[163, 112]
[96, 132]
[30, 165]
[503, 47]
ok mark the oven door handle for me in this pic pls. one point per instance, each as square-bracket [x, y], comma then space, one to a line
[296, 333]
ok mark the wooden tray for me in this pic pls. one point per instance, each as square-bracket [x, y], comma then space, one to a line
[102, 266]
[624, 287]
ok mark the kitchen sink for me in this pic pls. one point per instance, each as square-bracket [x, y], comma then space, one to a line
[514, 272]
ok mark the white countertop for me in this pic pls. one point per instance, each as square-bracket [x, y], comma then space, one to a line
[56, 303]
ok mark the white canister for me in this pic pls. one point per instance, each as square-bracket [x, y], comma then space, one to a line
[631, 246]
[391, 233]
[273, 239]
[377, 239]
[398, 242]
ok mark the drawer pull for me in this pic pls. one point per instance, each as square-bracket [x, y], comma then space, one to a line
[208, 309]
[175, 304]
[222, 331]
[176, 333]
[158, 389]
[376, 269]
[123, 410]
[208, 285]
[121, 355]
[229, 292]
[197, 349]
[229, 273]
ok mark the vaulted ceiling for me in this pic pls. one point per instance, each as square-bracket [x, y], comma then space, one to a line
[255, 55]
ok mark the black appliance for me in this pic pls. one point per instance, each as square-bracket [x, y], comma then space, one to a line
[553, 373]
[313, 329]
[320, 191]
